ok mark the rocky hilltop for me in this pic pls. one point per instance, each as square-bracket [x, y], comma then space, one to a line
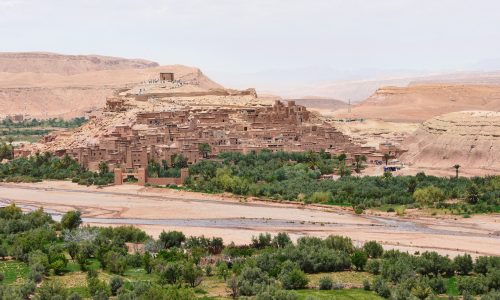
[418, 103]
[468, 138]
[43, 62]
[44, 85]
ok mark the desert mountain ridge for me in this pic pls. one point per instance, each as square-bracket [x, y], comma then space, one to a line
[53, 63]
[420, 102]
[45, 85]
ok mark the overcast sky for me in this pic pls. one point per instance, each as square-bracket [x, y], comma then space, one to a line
[226, 37]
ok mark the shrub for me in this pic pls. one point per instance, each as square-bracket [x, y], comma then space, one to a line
[71, 220]
[262, 241]
[438, 285]
[429, 196]
[373, 266]
[172, 239]
[373, 249]
[294, 279]
[115, 284]
[472, 285]
[463, 264]
[359, 259]
[2, 276]
[366, 285]
[325, 283]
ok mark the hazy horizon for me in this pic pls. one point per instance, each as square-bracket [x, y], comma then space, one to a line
[241, 43]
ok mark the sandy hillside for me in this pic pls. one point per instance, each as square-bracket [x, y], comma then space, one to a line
[468, 138]
[43, 62]
[324, 106]
[418, 103]
[51, 85]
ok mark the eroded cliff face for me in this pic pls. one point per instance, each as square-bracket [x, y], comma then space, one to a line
[468, 138]
[418, 103]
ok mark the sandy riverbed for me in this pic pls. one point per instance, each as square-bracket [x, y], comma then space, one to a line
[238, 220]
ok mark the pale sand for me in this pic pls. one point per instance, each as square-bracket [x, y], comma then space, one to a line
[239, 219]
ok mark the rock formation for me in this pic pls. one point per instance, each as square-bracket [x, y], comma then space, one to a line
[468, 138]
[418, 103]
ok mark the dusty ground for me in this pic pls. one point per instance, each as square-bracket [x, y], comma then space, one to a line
[238, 220]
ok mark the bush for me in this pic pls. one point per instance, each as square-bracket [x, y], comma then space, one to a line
[262, 241]
[429, 196]
[293, 279]
[373, 266]
[325, 283]
[359, 259]
[463, 264]
[172, 239]
[71, 220]
[366, 285]
[438, 285]
[381, 288]
[472, 285]
[373, 249]
[2, 276]
[115, 284]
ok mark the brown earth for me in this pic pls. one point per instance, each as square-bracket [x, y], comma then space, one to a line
[468, 138]
[238, 220]
[47, 85]
[418, 103]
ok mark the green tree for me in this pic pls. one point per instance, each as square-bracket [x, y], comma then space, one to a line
[429, 196]
[172, 239]
[359, 259]
[103, 168]
[204, 149]
[463, 264]
[71, 220]
[472, 194]
[373, 249]
[192, 274]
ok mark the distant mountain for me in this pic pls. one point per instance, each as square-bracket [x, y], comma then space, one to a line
[420, 102]
[45, 85]
[44, 62]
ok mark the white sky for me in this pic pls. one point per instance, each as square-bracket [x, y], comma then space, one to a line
[227, 37]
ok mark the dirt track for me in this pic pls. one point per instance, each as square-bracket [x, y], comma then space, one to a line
[155, 210]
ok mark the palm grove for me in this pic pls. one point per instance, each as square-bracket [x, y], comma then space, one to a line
[287, 176]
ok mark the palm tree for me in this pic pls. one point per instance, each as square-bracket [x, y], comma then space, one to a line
[456, 170]
[387, 156]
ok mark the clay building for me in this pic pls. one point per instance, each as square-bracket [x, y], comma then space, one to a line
[166, 76]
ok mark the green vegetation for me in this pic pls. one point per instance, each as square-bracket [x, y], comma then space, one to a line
[32, 130]
[297, 177]
[48, 166]
[72, 262]
[350, 294]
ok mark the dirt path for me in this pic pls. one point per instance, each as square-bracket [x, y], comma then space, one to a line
[236, 220]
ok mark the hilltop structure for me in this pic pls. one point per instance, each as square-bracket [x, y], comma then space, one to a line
[161, 119]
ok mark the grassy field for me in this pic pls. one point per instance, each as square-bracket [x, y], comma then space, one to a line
[15, 272]
[345, 294]
[349, 279]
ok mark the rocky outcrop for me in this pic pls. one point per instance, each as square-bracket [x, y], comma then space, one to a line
[468, 138]
[418, 103]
